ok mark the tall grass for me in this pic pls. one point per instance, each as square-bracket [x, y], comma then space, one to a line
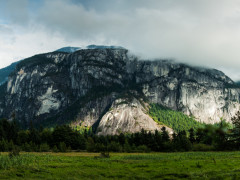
[180, 156]
[24, 160]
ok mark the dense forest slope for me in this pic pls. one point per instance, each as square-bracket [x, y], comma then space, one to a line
[97, 87]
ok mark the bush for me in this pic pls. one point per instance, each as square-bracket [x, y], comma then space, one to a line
[62, 147]
[3, 146]
[26, 147]
[182, 144]
[55, 149]
[143, 148]
[90, 145]
[34, 147]
[104, 155]
[15, 152]
[100, 147]
[11, 146]
[44, 147]
[202, 147]
[168, 147]
[127, 148]
[115, 147]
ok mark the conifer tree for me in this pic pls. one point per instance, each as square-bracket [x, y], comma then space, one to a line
[192, 135]
[165, 135]
[236, 129]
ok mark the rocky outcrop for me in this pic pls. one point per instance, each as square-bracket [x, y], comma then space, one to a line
[80, 87]
[127, 116]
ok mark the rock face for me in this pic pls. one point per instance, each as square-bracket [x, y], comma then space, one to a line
[127, 116]
[86, 88]
[208, 95]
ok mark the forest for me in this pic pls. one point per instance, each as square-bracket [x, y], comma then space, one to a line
[176, 120]
[218, 137]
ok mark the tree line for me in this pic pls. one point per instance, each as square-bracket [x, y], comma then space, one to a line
[63, 138]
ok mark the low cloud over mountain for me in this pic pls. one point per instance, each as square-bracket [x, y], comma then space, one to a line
[202, 33]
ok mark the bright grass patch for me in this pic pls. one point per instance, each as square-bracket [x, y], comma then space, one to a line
[190, 165]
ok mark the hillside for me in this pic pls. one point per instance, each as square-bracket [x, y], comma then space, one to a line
[173, 119]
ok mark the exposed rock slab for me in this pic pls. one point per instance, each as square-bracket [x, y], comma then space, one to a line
[127, 117]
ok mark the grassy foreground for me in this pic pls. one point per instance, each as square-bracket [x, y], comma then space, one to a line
[189, 165]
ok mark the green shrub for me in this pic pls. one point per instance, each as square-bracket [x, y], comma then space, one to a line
[202, 147]
[15, 152]
[115, 147]
[44, 147]
[3, 146]
[90, 145]
[26, 147]
[55, 149]
[104, 155]
[99, 147]
[62, 147]
[143, 148]
[11, 146]
[127, 148]
[34, 147]
[182, 144]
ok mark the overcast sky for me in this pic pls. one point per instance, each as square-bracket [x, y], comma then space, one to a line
[199, 32]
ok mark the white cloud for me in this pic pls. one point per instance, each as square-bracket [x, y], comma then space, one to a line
[205, 33]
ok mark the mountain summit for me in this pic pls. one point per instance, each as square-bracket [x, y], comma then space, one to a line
[68, 49]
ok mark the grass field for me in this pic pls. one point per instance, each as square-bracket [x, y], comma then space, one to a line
[189, 165]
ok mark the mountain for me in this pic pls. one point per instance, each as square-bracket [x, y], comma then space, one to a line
[238, 83]
[4, 73]
[68, 49]
[111, 91]
[93, 46]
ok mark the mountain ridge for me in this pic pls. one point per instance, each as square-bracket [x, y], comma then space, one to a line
[45, 87]
[6, 71]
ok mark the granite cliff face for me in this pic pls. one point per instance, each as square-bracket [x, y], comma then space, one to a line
[127, 116]
[88, 88]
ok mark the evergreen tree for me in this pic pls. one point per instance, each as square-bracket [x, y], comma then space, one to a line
[165, 135]
[192, 136]
[90, 145]
[158, 141]
[121, 139]
[199, 135]
[221, 136]
[127, 147]
[236, 129]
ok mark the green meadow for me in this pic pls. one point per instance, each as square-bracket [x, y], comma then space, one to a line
[79, 165]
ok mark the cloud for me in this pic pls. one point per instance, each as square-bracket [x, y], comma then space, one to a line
[16, 11]
[205, 33]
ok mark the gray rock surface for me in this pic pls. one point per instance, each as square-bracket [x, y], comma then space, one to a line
[126, 116]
